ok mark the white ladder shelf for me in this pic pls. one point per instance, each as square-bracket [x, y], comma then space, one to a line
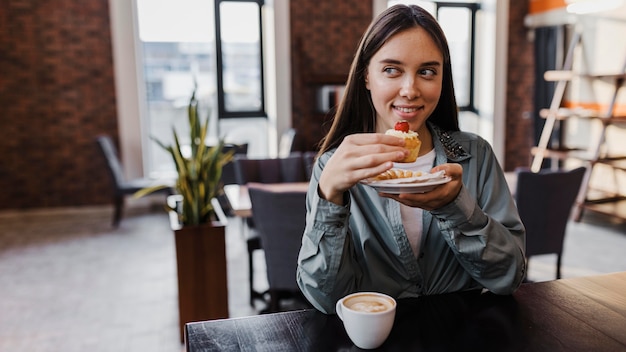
[611, 204]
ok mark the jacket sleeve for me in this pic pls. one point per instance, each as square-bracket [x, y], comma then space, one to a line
[482, 225]
[325, 273]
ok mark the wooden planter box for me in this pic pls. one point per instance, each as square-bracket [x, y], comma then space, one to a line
[202, 278]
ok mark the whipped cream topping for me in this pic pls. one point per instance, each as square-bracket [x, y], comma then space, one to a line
[401, 134]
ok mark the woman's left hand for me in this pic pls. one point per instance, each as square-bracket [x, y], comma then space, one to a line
[439, 196]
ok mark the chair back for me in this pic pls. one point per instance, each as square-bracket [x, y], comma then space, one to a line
[292, 168]
[544, 201]
[308, 158]
[228, 171]
[280, 219]
[109, 151]
[270, 170]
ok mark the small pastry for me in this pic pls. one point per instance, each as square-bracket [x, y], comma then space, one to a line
[411, 140]
[397, 173]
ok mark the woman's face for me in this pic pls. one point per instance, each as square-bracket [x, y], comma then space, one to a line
[404, 79]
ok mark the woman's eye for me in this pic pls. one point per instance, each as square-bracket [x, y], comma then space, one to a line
[392, 71]
[428, 72]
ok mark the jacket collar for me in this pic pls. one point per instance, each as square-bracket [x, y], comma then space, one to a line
[454, 151]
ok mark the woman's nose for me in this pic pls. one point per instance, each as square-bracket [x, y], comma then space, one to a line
[409, 88]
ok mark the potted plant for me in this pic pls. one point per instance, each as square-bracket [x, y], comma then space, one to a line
[199, 236]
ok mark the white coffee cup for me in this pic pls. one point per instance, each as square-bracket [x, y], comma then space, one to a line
[367, 317]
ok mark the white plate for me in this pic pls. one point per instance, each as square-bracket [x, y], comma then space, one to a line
[421, 184]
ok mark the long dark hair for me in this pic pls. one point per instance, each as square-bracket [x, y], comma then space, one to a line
[355, 112]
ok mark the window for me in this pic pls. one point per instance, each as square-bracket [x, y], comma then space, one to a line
[212, 44]
[239, 56]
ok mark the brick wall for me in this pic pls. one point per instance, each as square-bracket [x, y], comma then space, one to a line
[57, 90]
[520, 81]
[56, 94]
[324, 37]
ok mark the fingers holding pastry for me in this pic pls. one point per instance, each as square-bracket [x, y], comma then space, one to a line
[358, 157]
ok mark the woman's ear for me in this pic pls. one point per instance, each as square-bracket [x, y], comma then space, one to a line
[367, 81]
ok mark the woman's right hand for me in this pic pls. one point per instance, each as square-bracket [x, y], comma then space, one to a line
[358, 157]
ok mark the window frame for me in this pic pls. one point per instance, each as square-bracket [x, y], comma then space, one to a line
[221, 106]
[474, 8]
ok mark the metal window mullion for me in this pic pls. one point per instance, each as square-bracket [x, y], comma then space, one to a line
[219, 61]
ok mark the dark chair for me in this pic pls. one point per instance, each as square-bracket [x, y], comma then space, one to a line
[271, 170]
[253, 242]
[544, 201]
[267, 170]
[308, 159]
[228, 171]
[280, 220]
[121, 186]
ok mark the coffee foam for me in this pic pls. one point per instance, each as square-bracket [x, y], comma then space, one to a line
[368, 303]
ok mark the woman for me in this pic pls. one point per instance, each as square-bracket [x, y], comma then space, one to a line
[463, 235]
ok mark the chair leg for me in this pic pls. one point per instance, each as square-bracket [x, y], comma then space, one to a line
[274, 301]
[118, 203]
[251, 278]
[273, 304]
[558, 266]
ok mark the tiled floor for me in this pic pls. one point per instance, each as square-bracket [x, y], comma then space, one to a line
[69, 282]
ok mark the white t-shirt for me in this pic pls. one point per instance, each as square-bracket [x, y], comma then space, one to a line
[412, 217]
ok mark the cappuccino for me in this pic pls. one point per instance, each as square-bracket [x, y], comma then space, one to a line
[367, 317]
[368, 303]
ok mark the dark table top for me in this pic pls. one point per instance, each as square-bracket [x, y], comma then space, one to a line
[580, 314]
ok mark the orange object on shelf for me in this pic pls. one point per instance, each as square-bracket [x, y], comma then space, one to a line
[537, 6]
[619, 109]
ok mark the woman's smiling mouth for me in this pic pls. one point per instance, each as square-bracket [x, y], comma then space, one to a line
[406, 110]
